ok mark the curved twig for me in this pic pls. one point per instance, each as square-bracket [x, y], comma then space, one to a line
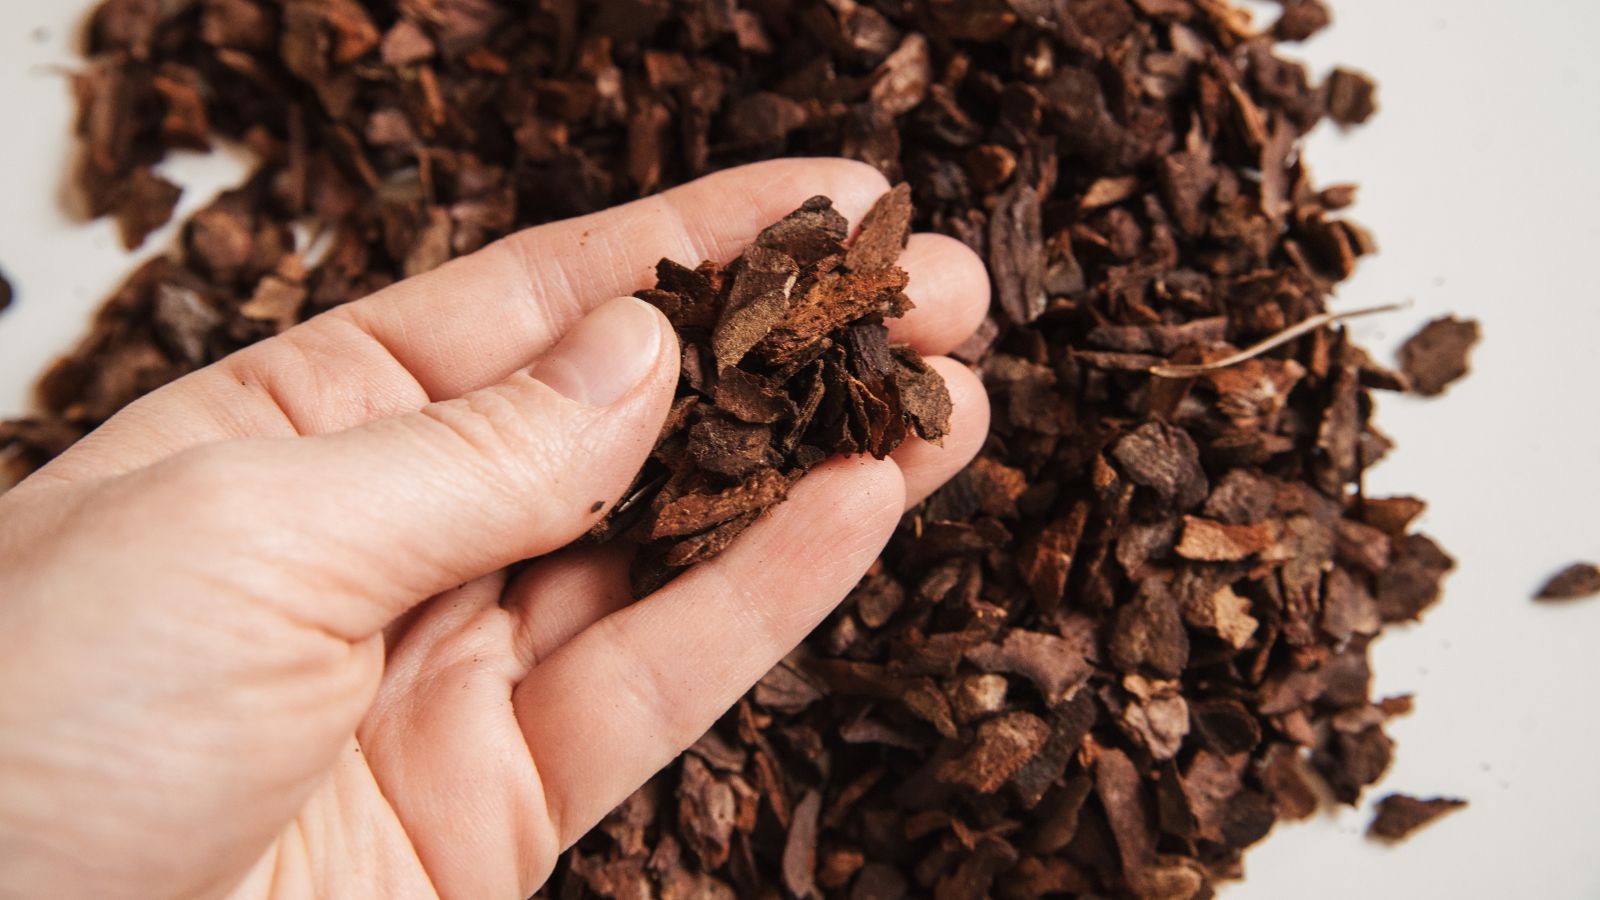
[1277, 340]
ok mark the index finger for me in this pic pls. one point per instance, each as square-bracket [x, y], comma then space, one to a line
[468, 324]
[478, 319]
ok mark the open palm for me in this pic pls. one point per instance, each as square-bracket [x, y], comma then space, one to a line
[221, 671]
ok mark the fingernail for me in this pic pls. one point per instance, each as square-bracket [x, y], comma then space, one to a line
[606, 355]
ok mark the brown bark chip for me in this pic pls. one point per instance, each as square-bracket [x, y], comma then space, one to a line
[1437, 355]
[1575, 582]
[1352, 97]
[1399, 815]
[1100, 662]
[800, 849]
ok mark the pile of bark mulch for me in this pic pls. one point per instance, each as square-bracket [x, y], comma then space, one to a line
[1112, 653]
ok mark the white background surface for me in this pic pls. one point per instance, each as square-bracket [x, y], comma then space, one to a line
[1479, 178]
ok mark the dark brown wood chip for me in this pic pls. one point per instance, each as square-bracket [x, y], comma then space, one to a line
[811, 233]
[1002, 746]
[1165, 459]
[1399, 815]
[1438, 354]
[800, 849]
[699, 511]
[758, 300]
[884, 232]
[1575, 582]
[1352, 97]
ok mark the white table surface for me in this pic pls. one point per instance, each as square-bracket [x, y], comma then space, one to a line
[1479, 178]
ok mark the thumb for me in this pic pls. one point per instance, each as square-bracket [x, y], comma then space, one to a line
[384, 515]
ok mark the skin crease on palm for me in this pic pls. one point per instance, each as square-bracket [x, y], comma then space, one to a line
[256, 635]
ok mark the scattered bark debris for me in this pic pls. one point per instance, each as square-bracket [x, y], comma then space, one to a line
[1575, 582]
[1104, 659]
[1399, 815]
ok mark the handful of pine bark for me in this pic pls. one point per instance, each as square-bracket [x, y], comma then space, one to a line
[786, 362]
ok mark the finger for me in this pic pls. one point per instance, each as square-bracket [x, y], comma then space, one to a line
[559, 596]
[619, 701]
[466, 325]
[928, 466]
[557, 272]
[950, 287]
[366, 521]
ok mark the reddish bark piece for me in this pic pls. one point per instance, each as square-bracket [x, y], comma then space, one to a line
[751, 398]
[1575, 582]
[833, 301]
[1438, 354]
[1226, 614]
[145, 203]
[1003, 745]
[764, 117]
[1126, 805]
[811, 233]
[1399, 815]
[1210, 541]
[923, 395]
[1016, 254]
[1350, 762]
[1411, 584]
[1055, 665]
[884, 232]
[696, 512]
[1163, 458]
[708, 807]
[406, 43]
[127, 26]
[1352, 97]
[758, 301]
[1301, 19]
[800, 849]
[1391, 515]
[1149, 633]
[901, 82]
[1284, 776]
[1159, 722]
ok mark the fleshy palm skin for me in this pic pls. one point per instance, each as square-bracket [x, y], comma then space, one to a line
[256, 633]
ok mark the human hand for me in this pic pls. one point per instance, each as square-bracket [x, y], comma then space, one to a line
[221, 671]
